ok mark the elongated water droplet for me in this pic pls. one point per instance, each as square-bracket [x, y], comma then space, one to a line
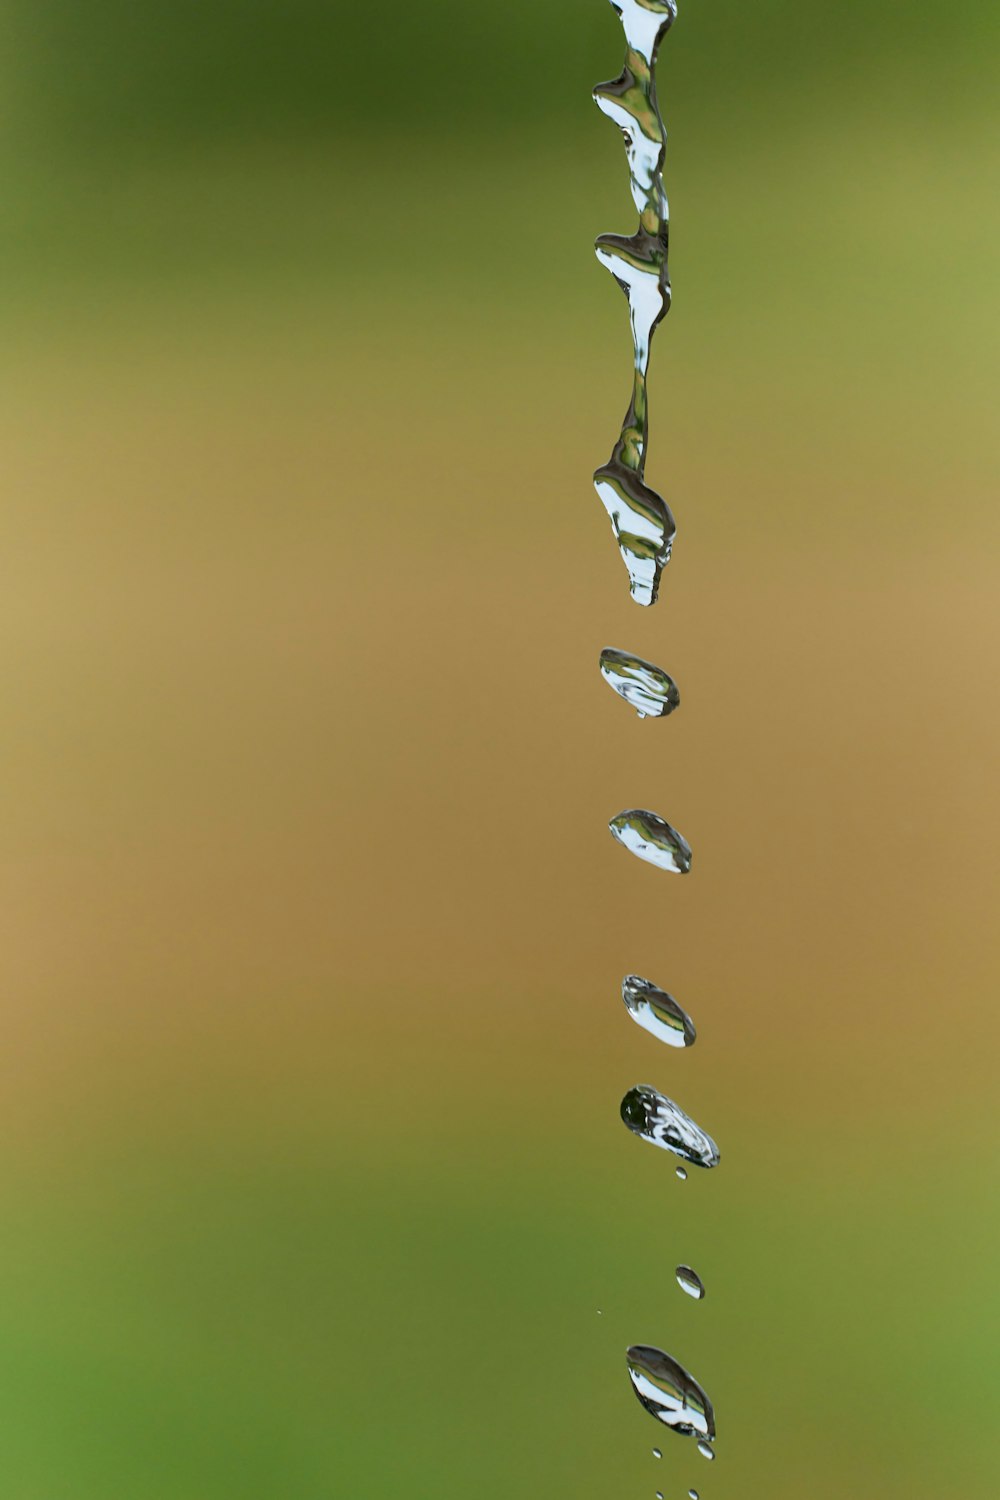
[693, 1495]
[645, 22]
[682, 1174]
[706, 1450]
[659, 1495]
[690, 1282]
[657, 1012]
[657, 1453]
[657, 1119]
[643, 525]
[648, 837]
[651, 692]
[670, 1393]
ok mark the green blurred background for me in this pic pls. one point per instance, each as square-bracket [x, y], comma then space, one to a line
[313, 1179]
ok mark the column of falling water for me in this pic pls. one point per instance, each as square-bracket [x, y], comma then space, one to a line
[644, 530]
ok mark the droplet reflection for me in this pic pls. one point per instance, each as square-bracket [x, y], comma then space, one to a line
[670, 1394]
[647, 688]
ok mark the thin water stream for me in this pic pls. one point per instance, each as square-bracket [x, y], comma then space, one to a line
[643, 527]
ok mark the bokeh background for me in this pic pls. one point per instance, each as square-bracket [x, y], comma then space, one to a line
[313, 1181]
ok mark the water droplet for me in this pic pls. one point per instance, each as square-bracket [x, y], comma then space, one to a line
[693, 1495]
[648, 837]
[706, 1450]
[682, 1174]
[659, 1495]
[657, 1453]
[650, 691]
[657, 1119]
[657, 1012]
[642, 523]
[690, 1282]
[669, 1393]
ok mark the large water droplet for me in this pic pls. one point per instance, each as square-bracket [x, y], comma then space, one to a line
[650, 691]
[660, 1121]
[706, 1450]
[690, 1282]
[643, 525]
[648, 837]
[657, 1012]
[670, 1393]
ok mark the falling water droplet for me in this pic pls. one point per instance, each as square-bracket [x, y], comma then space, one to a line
[643, 526]
[657, 1119]
[690, 1282]
[706, 1450]
[657, 1012]
[682, 1174]
[647, 688]
[669, 1393]
[659, 1495]
[657, 1453]
[693, 1495]
[648, 837]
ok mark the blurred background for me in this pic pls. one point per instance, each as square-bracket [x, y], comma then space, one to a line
[313, 1177]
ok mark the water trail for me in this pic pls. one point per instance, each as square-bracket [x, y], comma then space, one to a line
[689, 1281]
[650, 837]
[655, 1118]
[670, 1393]
[640, 518]
[651, 692]
[657, 1012]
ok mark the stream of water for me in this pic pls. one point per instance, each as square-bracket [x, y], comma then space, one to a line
[644, 528]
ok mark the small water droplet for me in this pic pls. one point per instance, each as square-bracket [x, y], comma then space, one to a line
[706, 1450]
[659, 1495]
[650, 838]
[657, 1453]
[682, 1174]
[657, 1012]
[690, 1282]
[669, 1393]
[655, 1118]
[693, 1495]
[647, 688]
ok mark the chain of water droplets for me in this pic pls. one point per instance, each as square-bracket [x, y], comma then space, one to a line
[644, 530]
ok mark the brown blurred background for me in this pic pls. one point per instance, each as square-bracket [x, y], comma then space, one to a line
[313, 931]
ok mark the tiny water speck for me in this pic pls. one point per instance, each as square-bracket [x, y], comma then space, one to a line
[650, 691]
[690, 1282]
[657, 1012]
[656, 1119]
[651, 838]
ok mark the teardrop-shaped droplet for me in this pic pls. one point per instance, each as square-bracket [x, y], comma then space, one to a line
[649, 838]
[650, 691]
[706, 1450]
[657, 1012]
[670, 1393]
[643, 525]
[657, 1119]
[689, 1281]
